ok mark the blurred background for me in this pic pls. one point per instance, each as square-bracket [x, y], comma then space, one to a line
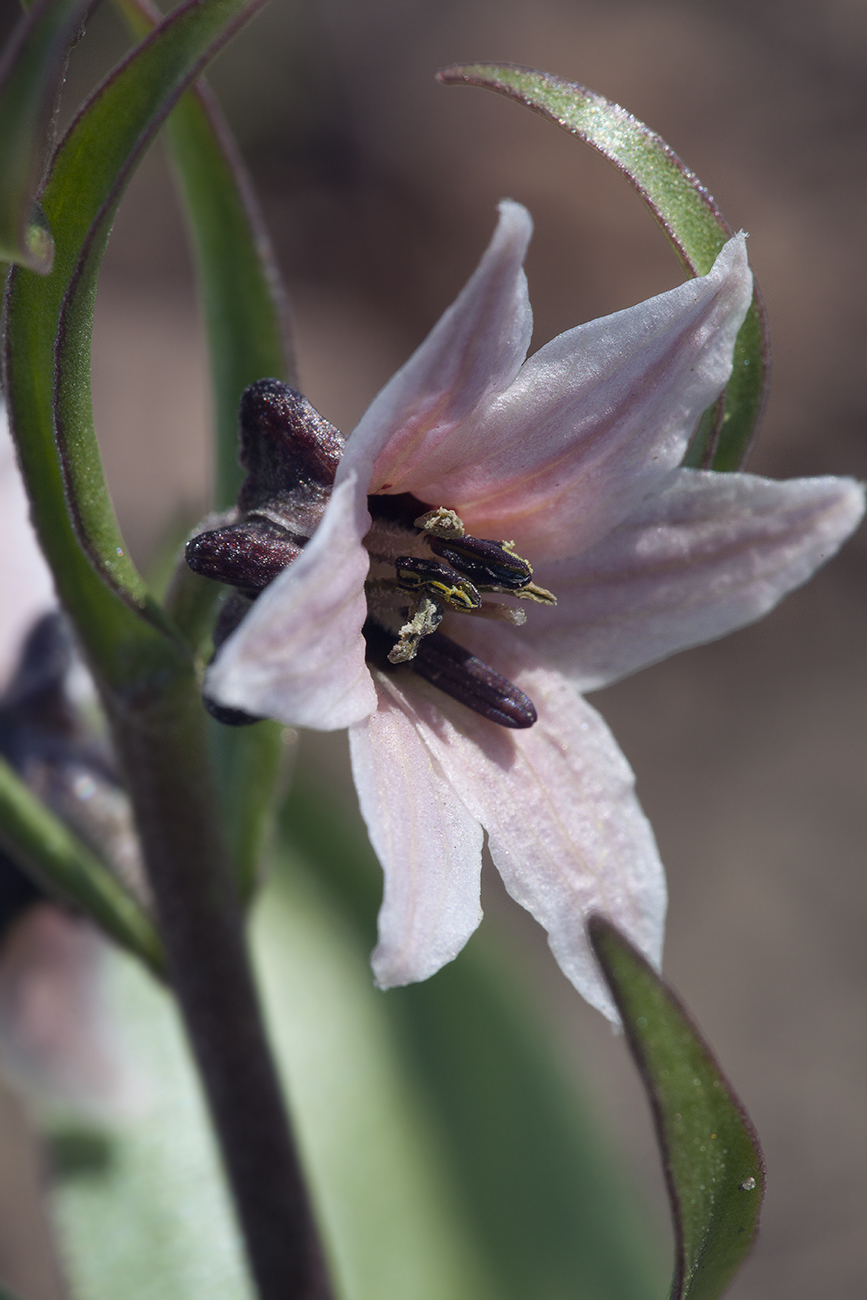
[379, 189]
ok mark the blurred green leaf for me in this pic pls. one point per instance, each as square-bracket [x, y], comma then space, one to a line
[528, 1175]
[149, 1219]
[45, 847]
[393, 1223]
[713, 1161]
[31, 73]
[687, 213]
[140, 1204]
[49, 322]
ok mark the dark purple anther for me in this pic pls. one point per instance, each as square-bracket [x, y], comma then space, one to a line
[488, 564]
[450, 668]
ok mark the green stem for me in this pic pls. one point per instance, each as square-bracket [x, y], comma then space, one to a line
[162, 747]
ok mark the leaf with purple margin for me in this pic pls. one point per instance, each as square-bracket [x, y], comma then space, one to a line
[683, 207]
[49, 322]
[245, 315]
[31, 74]
[712, 1158]
[243, 299]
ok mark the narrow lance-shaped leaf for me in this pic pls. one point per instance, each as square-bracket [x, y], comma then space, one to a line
[248, 336]
[682, 206]
[31, 72]
[242, 296]
[48, 849]
[713, 1162]
[49, 323]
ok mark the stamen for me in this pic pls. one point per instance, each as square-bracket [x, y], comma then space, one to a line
[425, 617]
[487, 563]
[436, 580]
[441, 522]
[457, 673]
[540, 595]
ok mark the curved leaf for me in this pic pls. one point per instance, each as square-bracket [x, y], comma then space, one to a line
[46, 848]
[683, 207]
[248, 334]
[713, 1162]
[242, 295]
[49, 322]
[31, 74]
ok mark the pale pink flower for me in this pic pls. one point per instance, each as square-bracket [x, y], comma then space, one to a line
[573, 454]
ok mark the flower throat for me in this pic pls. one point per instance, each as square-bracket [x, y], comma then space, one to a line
[425, 567]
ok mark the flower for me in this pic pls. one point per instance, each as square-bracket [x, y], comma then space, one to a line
[572, 455]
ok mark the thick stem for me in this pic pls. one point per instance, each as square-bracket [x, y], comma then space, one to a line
[163, 752]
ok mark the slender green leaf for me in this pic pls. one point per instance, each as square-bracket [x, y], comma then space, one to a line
[31, 72]
[48, 850]
[141, 1205]
[245, 313]
[242, 295]
[527, 1171]
[371, 1148]
[392, 1221]
[49, 322]
[683, 207]
[713, 1161]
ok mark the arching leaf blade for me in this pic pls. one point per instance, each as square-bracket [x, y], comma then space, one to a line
[49, 321]
[713, 1162]
[243, 299]
[683, 207]
[31, 73]
[245, 313]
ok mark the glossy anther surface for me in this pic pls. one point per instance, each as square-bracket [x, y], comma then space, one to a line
[457, 673]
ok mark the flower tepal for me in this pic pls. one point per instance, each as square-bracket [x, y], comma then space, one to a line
[500, 531]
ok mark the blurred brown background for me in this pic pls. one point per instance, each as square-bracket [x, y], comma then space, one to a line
[379, 188]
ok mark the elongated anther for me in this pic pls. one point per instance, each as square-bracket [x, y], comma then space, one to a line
[457, 673]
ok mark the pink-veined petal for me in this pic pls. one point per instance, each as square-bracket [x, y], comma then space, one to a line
[595, 419]
[26, 585]
[473, 351]
[565, 829]
[710, 553]
[298, 656]
[429, 846]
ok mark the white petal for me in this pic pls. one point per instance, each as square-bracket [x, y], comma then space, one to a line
[711, 553]
[26, 585]
[474, 350]
[565, 829]
[429, 846]
[298, 656]
[595, 419]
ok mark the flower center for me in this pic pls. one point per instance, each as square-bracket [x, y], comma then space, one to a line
[424, 564]
[443, 569]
